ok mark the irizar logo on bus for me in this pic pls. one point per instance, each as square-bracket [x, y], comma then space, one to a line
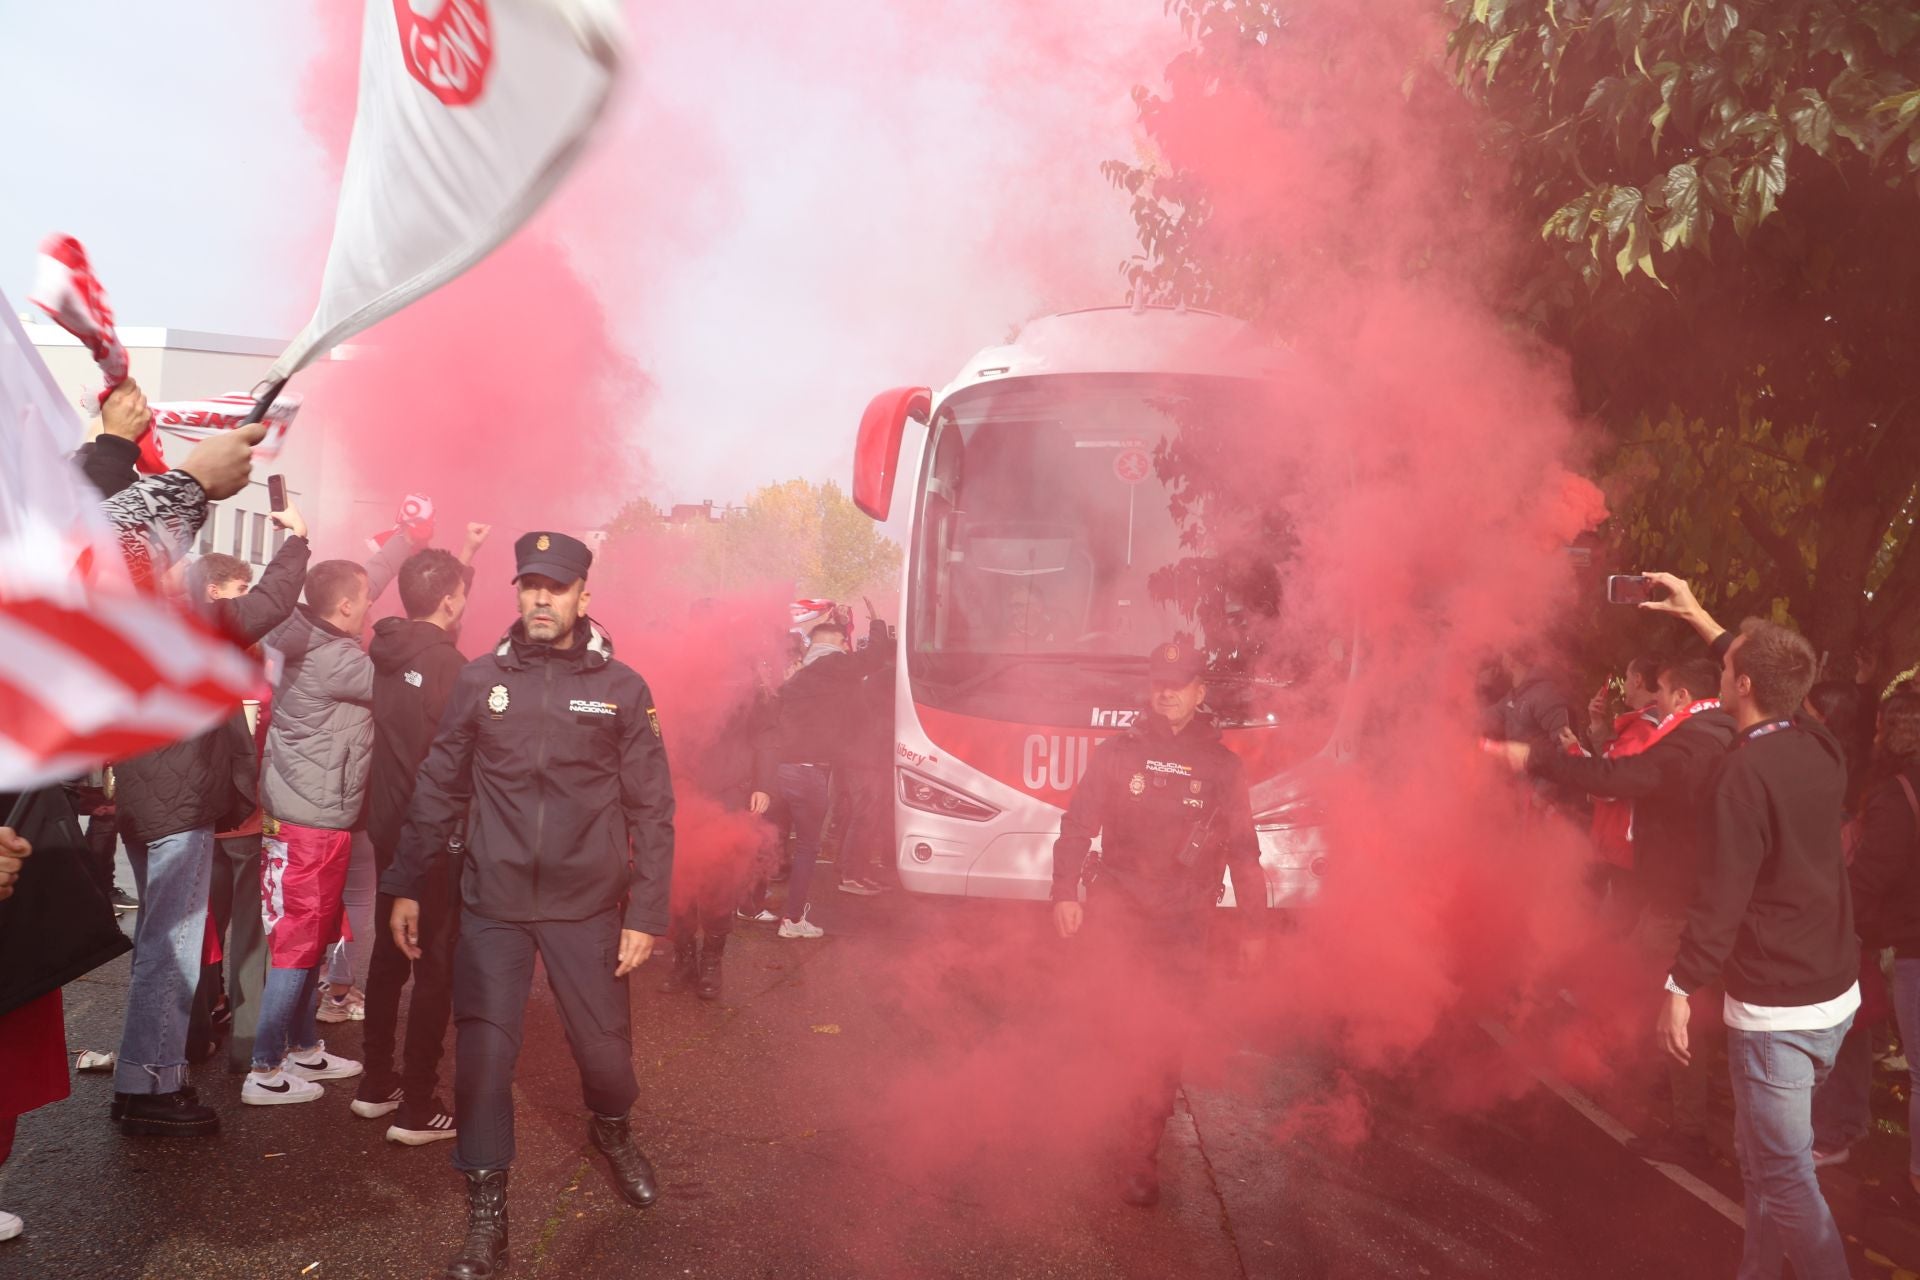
[1114, 719]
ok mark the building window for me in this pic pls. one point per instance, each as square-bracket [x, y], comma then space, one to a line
[259, 539]
[239, 536]
[206, 532]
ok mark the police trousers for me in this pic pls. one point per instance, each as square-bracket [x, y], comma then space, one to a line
[492, 978]
[1145, 973]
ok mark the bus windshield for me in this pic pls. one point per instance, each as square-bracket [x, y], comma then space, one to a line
[1070, 523]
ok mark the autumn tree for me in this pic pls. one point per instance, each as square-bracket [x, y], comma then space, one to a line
[800, 531]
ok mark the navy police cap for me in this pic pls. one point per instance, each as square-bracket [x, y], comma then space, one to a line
[551, 555]
[1176, 663]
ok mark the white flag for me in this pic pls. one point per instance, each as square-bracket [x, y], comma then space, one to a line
[470, 113]
[91, 669]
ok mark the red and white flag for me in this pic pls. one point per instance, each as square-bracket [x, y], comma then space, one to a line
[470, 113]
[91, 669]
[415, 518]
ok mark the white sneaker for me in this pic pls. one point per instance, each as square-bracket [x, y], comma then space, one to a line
[10, 1225]
[94, 1060]
[277, 1088]
[341, 1004]
[801, 928]
[317, 1064]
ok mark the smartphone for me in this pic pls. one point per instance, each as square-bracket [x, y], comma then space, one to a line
[1633, 588]
[277, 492]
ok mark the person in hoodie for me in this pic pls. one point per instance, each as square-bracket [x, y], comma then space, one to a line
[1773, 918]
[815, 724]
[313, 791]
[1668, 781]
[1168, 802]
[551, 751]
[415, 664]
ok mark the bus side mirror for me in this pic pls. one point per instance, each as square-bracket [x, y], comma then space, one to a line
[876, 454]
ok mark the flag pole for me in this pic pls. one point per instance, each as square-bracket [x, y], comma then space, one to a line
[264, 401]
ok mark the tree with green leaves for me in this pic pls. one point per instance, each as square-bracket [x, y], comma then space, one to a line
[1724, 198]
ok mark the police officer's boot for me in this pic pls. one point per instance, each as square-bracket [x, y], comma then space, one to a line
[711, 951]
[632, 1174]
[686, 960]
[485, 1253]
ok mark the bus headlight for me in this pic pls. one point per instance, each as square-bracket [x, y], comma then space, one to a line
[1291, 816]
[917, 791]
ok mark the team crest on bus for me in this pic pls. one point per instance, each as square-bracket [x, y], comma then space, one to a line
[497, 700]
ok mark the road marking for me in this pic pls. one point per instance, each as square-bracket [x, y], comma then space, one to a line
[1680, 1177]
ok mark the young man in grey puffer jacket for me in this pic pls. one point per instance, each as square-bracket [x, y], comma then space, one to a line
[313, 789]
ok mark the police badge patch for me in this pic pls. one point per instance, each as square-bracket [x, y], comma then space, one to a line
[1137, 784]
[653, 721]
[497, 700]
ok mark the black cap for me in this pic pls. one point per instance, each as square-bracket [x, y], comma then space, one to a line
[551, 555]
[1175, 663]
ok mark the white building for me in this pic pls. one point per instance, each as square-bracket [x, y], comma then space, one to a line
[184, 364]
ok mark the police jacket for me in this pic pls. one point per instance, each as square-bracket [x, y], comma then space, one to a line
[1146, 795]
[555, 757]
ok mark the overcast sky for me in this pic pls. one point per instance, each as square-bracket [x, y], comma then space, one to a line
[854, 201]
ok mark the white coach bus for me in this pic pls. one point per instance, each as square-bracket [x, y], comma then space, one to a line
[1045, 558]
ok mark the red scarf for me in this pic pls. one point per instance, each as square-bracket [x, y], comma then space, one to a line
[1680, 717]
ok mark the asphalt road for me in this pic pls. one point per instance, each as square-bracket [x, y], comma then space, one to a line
[792, 1143]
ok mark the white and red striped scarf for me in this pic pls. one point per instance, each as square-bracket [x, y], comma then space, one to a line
[66, 288]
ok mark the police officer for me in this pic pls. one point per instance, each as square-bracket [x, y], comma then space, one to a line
[552, 750]
[1169, 803]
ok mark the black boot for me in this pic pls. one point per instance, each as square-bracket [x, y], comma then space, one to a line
[165, 1115]
[631, 1173]
[710, 953]
[485, 1252]
[686, 961]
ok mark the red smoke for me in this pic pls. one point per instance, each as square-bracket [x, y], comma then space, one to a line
[1428, 446]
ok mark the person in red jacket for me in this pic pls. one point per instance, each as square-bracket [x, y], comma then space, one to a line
[1615, 738]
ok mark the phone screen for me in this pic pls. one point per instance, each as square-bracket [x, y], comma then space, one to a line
[1631, 588]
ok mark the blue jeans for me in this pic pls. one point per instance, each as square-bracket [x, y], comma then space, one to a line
[171, 876]
[1774, 1076]
[349, 960]
[287, 1005]
[1906, 1012]
[1843, 1104]
[805, 787]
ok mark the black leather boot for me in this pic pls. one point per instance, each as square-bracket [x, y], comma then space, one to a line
[686, 962]
[165, 1115]
[485, 1252]
[632, 1174]
[710, 953]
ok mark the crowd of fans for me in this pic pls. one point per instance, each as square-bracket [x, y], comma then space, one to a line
[297, 802]
[1757, 836]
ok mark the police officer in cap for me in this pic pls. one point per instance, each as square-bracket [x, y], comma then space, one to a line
[551, 748]
[1169, 803]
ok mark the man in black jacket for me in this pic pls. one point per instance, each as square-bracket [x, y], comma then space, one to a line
[169, 802]
[814, 727]
[1774, 918]
[1169, 803]
[415, 665]
[551, 749]
[1670, 783]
